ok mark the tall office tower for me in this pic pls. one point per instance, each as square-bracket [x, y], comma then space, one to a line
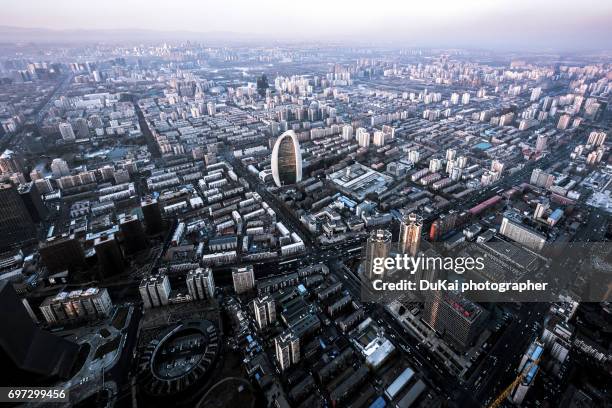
[265, 311]
[28, 354]
[59, 168]
[66, 131]
[200, 284]
[287, 160]
[287, 347]
[62, 253]
[81, 128]
[535, 94]
[211, 108]
[454, 317]
[377, 246]
[109, 255]
[347, 133]
[10, 162]
[133, 235]
[379, 138]
[31, 199]
[16, 225]
[541, 143]
[243, 278]
[410, 234]
[465, 98]
[152, 216]
[564, 121]
[512, 227]
[454, 99]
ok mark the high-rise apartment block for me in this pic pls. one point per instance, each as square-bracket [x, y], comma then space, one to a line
[200, 284]
[287, 347]
[265, 311]
[243, 278]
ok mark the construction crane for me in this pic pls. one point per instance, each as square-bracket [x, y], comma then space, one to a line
[504, 394]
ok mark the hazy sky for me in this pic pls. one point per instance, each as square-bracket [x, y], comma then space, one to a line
[566, 24]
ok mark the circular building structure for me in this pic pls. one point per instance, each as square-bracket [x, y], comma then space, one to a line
[179, 359]
[287, 160]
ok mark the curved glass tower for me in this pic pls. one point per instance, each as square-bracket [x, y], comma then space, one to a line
[287, 160]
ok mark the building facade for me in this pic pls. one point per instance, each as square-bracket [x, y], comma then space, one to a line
[287, 160]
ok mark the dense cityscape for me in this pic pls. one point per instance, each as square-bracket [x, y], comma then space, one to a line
[186, 224]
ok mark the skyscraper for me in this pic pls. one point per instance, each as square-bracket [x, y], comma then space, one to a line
[377, 246]
[62, 253]
[134, 238]
[16, 225]
[287, 160]
[152, 216]
[29, 354]
[31, 199]
[410, 234]
[454, 317]
[109, 255]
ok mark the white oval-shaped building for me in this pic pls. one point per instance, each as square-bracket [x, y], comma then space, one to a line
[287, 160]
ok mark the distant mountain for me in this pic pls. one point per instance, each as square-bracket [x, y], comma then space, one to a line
[45, 35]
